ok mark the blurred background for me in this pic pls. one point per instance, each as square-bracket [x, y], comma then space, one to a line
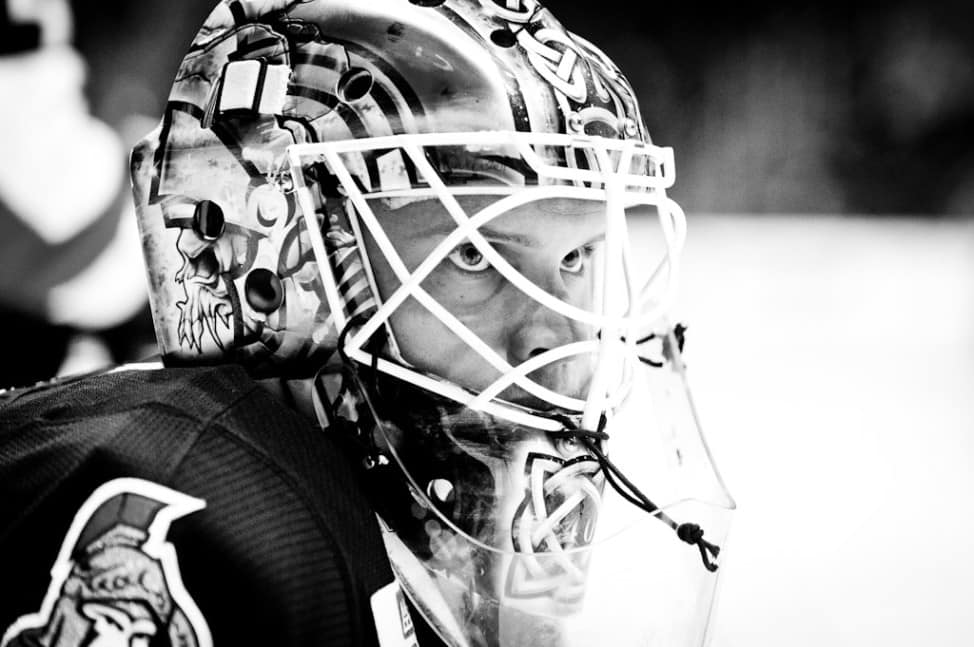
[825, 158]
[828, 107]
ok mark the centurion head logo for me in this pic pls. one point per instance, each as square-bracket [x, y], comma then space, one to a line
[116, 581]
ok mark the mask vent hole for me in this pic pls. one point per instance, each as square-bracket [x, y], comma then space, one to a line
[510, 5]
[264, 291]
[503, 38]
[354, 84]
[301, 31]
[427, 3]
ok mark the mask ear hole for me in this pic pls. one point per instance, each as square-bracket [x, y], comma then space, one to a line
[264, 291]
[208, 220]
[354, 84]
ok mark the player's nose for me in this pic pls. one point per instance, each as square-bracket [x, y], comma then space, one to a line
[540, 331]
[537, 329]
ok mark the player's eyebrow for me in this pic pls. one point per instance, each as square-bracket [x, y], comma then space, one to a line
[494, 235]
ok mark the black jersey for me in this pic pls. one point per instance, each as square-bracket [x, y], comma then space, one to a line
[183, 506]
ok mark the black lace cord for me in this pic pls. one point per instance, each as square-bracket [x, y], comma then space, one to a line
[690, 533]
[364, 439]
[327, 404]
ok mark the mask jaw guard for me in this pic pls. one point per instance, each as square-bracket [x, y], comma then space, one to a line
[533, 573]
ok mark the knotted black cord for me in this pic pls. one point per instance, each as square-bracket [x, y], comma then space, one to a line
[679, 331]
[690, 533]
[654, 364]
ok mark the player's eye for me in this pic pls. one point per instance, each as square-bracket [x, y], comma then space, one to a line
[574, 261]
[468, 258]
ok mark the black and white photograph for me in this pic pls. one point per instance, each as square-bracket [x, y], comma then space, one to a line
[486, 323]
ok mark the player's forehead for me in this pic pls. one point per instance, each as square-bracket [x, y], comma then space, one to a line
[533, 224]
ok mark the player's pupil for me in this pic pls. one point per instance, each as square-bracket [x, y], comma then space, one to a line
[470, 254]
[571, 260]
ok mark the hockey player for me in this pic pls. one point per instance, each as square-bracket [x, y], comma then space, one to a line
[411, 265]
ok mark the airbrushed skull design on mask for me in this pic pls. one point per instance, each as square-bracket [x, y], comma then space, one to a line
[249, 286]
[236, 273]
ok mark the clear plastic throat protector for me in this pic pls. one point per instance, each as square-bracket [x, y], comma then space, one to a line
[503, 303]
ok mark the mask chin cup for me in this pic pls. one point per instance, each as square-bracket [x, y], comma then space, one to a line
[638, 587]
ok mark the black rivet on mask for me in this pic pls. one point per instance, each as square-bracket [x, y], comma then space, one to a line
[208, 220]
[301, 31]
[629, 127]
[354, 84]
[427, 3]
[264, 291]
[503, 38]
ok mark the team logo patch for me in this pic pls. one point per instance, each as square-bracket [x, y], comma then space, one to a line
[116, 581]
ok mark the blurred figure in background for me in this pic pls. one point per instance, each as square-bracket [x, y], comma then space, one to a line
[72, 289]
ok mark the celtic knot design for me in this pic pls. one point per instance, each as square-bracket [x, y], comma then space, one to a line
[558, 514]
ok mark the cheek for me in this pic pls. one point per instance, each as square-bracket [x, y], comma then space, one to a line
[426, 342]
[580, 289]
[463, 294]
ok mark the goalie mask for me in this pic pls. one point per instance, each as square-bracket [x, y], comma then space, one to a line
[450, 217]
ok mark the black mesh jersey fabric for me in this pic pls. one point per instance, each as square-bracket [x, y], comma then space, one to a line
[287, 550]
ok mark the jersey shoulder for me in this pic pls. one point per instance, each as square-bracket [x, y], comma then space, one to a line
[183, 501]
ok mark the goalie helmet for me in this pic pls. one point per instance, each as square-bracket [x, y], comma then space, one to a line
[450, 215]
